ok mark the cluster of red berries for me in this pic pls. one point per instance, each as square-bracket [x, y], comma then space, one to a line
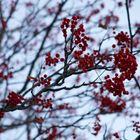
[80, 39]
[126, 62]
[49, 60]
[86, 62]
[63, 106]
[115, 85]
[136, 127]
[1, 114]
[112, 106]
[44, 80]
[116, 135]
[48, 103]
[103, 57]
[53, 134]
[14, 99]
[41, 103]
[97, 127]
[77, 54]
[39, 100]
[5, 77]
[67, 23]
[123, 39]
[74, 136]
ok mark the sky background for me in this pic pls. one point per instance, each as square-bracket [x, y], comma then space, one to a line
[120, 122]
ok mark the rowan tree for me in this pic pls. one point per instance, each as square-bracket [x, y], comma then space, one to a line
[69, 70]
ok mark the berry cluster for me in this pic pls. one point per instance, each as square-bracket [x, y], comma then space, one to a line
[126, 62]
[41, 103]
[14, 99]
[123, 39]
[5, 77]
[65, 24]
[115, 85]
[96, 127]
[80, 39]
[4, 72]
[74, 135]
[53, 134]
[112, 106]
[116, 135]
[74, 22]
[48, 103]
[136, 127]
[49, 60]
[63, 106]
[77, 54]
[39, 100]
[86, 62]
[44, 80]
[103, 57]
